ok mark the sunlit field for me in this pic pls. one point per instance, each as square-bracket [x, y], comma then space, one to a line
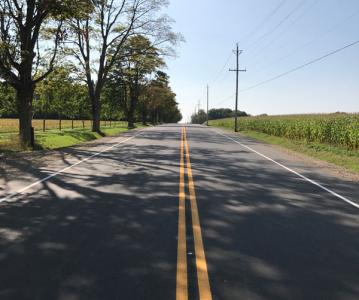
[71, 133]
[334, 129]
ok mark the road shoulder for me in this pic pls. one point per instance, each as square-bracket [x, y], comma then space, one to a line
[21, 169]
[305, 159]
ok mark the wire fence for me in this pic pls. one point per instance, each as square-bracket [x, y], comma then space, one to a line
[10, 126]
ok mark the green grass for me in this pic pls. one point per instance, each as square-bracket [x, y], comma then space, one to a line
[54, 139]
[66, 138]
[340, 156]
[115, 130]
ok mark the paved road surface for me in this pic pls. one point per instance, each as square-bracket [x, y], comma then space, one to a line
[167, 213]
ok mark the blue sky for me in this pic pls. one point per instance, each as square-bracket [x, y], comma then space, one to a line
[276, 36]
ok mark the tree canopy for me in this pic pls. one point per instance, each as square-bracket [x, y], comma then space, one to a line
[213, 114]
[84, 58]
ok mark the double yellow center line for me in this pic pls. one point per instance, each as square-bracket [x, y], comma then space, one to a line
[201, 265]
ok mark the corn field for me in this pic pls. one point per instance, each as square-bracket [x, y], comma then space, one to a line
[334, 129]
[12, 125]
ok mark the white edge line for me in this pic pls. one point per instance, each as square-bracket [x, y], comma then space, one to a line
[290, 170]
[19, 192]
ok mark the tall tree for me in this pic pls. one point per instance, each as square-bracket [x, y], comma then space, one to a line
[60, 95]
[139, 59]
[25, 58]
[199, 118]
[162, 101]
[100, 37]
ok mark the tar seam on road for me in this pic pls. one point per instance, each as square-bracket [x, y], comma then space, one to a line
[292, 171]
[181, 278]
[202, 271]
[19, 192]
[201, 264]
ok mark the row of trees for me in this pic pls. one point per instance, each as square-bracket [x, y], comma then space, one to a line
[61, 96]
[200, 116]
[94, 56]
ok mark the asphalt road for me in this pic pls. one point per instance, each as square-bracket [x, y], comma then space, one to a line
[168, 213]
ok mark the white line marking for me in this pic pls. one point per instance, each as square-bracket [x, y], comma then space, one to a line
[294, 172]
[19, 192]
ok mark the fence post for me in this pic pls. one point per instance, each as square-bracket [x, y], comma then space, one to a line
[32, 140]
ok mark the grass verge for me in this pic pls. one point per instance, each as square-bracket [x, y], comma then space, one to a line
[54, 139]
[348, 159]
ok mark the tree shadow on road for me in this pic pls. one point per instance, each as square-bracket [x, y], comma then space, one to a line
[107, 229]
[108, 232]
[269, 234]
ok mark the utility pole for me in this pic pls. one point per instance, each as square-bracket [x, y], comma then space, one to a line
[237, 52]
[207, 102]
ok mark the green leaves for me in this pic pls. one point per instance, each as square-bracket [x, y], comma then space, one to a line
[61, 95]
[139, 58]
[66, 9]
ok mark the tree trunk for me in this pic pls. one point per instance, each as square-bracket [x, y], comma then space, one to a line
[24, 95]
[144, 115]
[153, 117]
[96, 110]
[94, 92]
[72, 124]
[131, 113]
[133, 103]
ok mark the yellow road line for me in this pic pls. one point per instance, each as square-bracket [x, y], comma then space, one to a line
[201, 264]
[181, 279]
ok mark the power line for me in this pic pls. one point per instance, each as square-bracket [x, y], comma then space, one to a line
[308, 43]
[265, 20]
[237, 70]
[226, 99]
[223, 77]
[207, 103]
[300, 67]
[265, 46]
[282, 21]
[313, 61]
[222, 69]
